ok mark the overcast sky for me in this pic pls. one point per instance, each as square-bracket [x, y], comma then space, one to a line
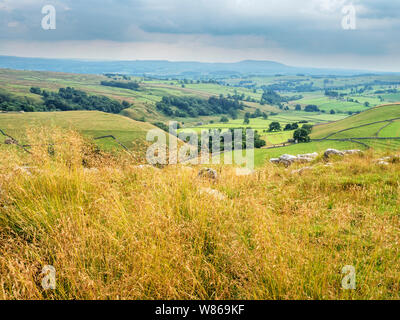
[295, 32]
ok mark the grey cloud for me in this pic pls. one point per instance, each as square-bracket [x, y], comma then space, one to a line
[305, 27]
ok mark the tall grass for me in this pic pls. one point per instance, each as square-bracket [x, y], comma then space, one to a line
[113, 230]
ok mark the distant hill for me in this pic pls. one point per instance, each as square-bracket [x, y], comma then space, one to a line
[164, 68]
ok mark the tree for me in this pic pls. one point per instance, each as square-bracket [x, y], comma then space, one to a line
[333, 111]
[307, 127]
[224, 119]
[291, 126]
[257, 114]
[311, 108]
[35, 90]
[246, 121]
[288, 127]
[265, 116]
[274, 126]
[301, 135]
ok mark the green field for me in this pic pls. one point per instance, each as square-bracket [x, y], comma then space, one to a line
[262, 155]
[262, 125]
[372, 115]
[90, 123]
[95, 124]
[152, 90]
[143, 101]
[392, 130]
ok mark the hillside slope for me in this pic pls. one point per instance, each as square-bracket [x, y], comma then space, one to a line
[90, 123]
[113, 230]
[369, 118]
[143, 100]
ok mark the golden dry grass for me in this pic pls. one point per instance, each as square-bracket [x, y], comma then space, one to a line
[123, 232]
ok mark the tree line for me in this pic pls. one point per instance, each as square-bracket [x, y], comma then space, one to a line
[69, 99]
[184, 107]
[131, 85]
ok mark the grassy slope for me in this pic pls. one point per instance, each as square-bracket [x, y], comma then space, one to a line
[90, 123]
[372, 115]
[120, 232]
[321, 131]
[393, 130]
[144, 100]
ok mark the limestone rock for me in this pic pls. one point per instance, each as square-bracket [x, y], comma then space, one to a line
[244, 171]
[333, 152]
[10, 141]
[288, 159]
[214, 193]
[302, 170]
[308, 155]
[352, 151]
[383, 163]
[208, 173]
[25, 170]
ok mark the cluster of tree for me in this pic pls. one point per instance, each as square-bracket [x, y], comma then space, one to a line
[193, 107]
[224, 119]
[330, 93]
[162, 126]
[273, 98]
[352, 100]
[274, 126]
[302, 134]
[215, 133]
[291, 86]
[312, 108]
[12, 103]
[254, 115]
[291, 126]
[386, 91]
[67, 99]
[115, 76]
[131, 85]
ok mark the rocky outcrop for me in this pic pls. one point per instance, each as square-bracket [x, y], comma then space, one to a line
[10, 141]
[244, 172]
[302, 170]
[24, 170]
[356, 151]
[288, 159]
[308, 156]
[333, 152]
[208, 173]
[213, 193]
[385, 161]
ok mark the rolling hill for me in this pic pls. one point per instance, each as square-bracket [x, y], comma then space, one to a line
[371, 119]
[162, 67]
[91, 124]
[377, 128]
